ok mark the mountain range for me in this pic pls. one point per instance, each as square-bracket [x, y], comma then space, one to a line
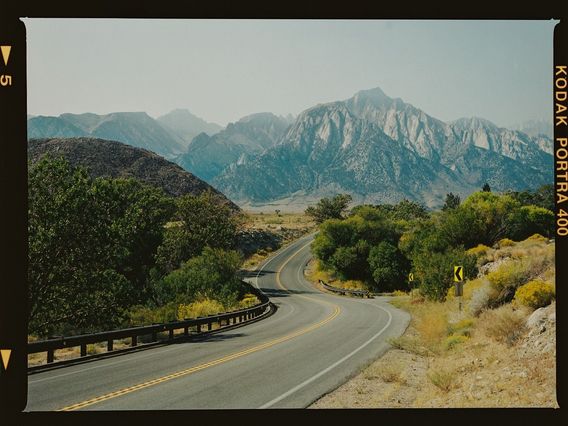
[381, 149]
[377, 148]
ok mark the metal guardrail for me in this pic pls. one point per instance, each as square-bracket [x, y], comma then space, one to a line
[345, 291]
[223, 320]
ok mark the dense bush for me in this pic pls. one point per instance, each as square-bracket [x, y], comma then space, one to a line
[91, 245]
[389, 267]
[103, 252]
[202, 220]
[535, 294]
[435, 271]
[211, 275]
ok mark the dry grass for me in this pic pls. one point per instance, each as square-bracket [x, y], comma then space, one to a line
[504, 324]
[267, 220]
[453, 359]
[442, 379]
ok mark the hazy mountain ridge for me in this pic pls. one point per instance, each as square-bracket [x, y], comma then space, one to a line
[383, 149]
[115, 159]
[134, 128]
[207, 156]
[186, 126]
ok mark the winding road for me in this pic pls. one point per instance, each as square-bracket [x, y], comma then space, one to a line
[313, 343]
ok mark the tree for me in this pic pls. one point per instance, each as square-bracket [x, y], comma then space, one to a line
[452, 202]
[434, 271]
[211, 275]
[329, 208]
[202, 220]
[486, 187]
[529, 220]
[91, 246]
[137, 214]
[389, 267]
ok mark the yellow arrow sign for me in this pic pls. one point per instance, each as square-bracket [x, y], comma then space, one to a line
[411, 277]
[5, 53]
[458, 273]
[5, 354]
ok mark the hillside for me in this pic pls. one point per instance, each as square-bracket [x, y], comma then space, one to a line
[114, 159]
[485, 355]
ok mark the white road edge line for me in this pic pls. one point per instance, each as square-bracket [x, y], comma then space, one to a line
[332, 366]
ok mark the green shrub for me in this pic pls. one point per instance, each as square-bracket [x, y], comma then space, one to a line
[505, 242]
[537, 237]
[535, 294]
[509, 275]
[461, 328]
[453, 340]
[444, 380]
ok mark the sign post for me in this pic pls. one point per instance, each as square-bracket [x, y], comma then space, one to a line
[458, 279]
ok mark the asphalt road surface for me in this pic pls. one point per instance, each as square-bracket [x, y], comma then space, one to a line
[312, 344]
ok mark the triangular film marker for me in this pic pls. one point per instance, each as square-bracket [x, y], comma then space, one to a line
[6, 53]
[5, 354]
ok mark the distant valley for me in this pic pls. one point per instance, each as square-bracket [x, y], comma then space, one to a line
[377, 148]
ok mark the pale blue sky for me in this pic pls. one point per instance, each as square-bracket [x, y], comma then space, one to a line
[222, 70]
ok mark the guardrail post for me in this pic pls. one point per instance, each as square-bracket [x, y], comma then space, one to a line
[50, 355]
[154, 336]
[185, 331]
[134, 340]
[83, 349]
[198, 328]
[209, 326]
[110, 345]
[171, 336]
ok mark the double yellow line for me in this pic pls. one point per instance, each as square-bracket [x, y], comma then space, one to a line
[213, 363]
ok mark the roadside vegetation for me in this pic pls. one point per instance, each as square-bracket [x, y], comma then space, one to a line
[378, 246]
[499, 349]
[107, 253]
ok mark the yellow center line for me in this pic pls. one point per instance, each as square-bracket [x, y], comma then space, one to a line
[218, 361]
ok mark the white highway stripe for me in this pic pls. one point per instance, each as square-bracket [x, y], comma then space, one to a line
[335, 364]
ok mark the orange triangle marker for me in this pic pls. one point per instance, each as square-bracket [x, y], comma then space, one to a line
[5, 53]
[5, 354]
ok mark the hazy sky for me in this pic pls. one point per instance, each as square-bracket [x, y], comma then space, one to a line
[222, 70]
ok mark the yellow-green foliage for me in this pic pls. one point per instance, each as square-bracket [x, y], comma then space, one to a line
[199, 309]
[535, 294]
[483, 254]
[399, 293]
[247, 301]
[479, 250]
[505, 242]
[537, 237]
[351, 285]
[510, 274]
[469, 287]
[431, 323]
[461, 328]
[143, 315]
[453, 340]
